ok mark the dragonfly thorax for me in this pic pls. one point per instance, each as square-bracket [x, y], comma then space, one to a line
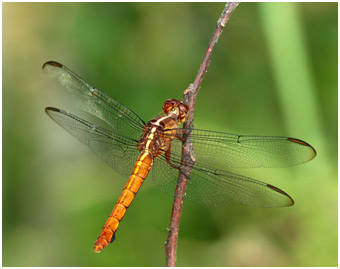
[158, 134]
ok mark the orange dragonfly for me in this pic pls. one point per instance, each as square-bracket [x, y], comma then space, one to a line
[130, 144]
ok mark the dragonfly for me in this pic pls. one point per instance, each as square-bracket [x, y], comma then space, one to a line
[133, 148]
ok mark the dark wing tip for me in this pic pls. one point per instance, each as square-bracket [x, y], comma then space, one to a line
[291, 201]
[48, 109]
[53, 63]
[303, 143]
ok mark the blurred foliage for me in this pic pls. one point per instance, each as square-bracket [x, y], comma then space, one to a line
[273, 72]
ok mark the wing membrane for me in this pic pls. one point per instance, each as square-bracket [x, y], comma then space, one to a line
[216, 187]
[123, 120]
[119, 152]
[225, 150]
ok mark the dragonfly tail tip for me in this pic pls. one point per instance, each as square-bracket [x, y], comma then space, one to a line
[97, 248]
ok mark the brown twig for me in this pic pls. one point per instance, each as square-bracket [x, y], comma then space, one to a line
[187, 149]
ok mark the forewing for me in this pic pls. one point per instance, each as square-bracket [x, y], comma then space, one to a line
[123, 120]
[225, 150]
[117, 151]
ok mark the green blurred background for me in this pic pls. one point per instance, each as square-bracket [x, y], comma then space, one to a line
[273, 72]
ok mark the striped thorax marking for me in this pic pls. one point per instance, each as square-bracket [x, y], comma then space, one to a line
[151, 136]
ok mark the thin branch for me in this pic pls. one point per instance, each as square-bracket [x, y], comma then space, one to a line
[188, 157]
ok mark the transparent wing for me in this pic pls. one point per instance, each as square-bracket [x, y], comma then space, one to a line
[117, 151]
[223, 150]
[216, 187]
[123, 120]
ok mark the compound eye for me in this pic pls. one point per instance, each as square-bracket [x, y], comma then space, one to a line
[168, 106]
[184, 107]
[182, 116]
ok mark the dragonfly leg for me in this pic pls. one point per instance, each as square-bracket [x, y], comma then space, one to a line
[180, 138]
[167, 158]
[178, 135]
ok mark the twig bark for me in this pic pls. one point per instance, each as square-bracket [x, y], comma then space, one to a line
[188, 157]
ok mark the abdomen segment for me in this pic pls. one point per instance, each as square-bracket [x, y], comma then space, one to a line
[130, 190]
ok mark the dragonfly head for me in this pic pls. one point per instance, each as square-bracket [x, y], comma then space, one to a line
[177, 108]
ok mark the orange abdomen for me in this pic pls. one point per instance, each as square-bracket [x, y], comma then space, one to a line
[130, 190]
